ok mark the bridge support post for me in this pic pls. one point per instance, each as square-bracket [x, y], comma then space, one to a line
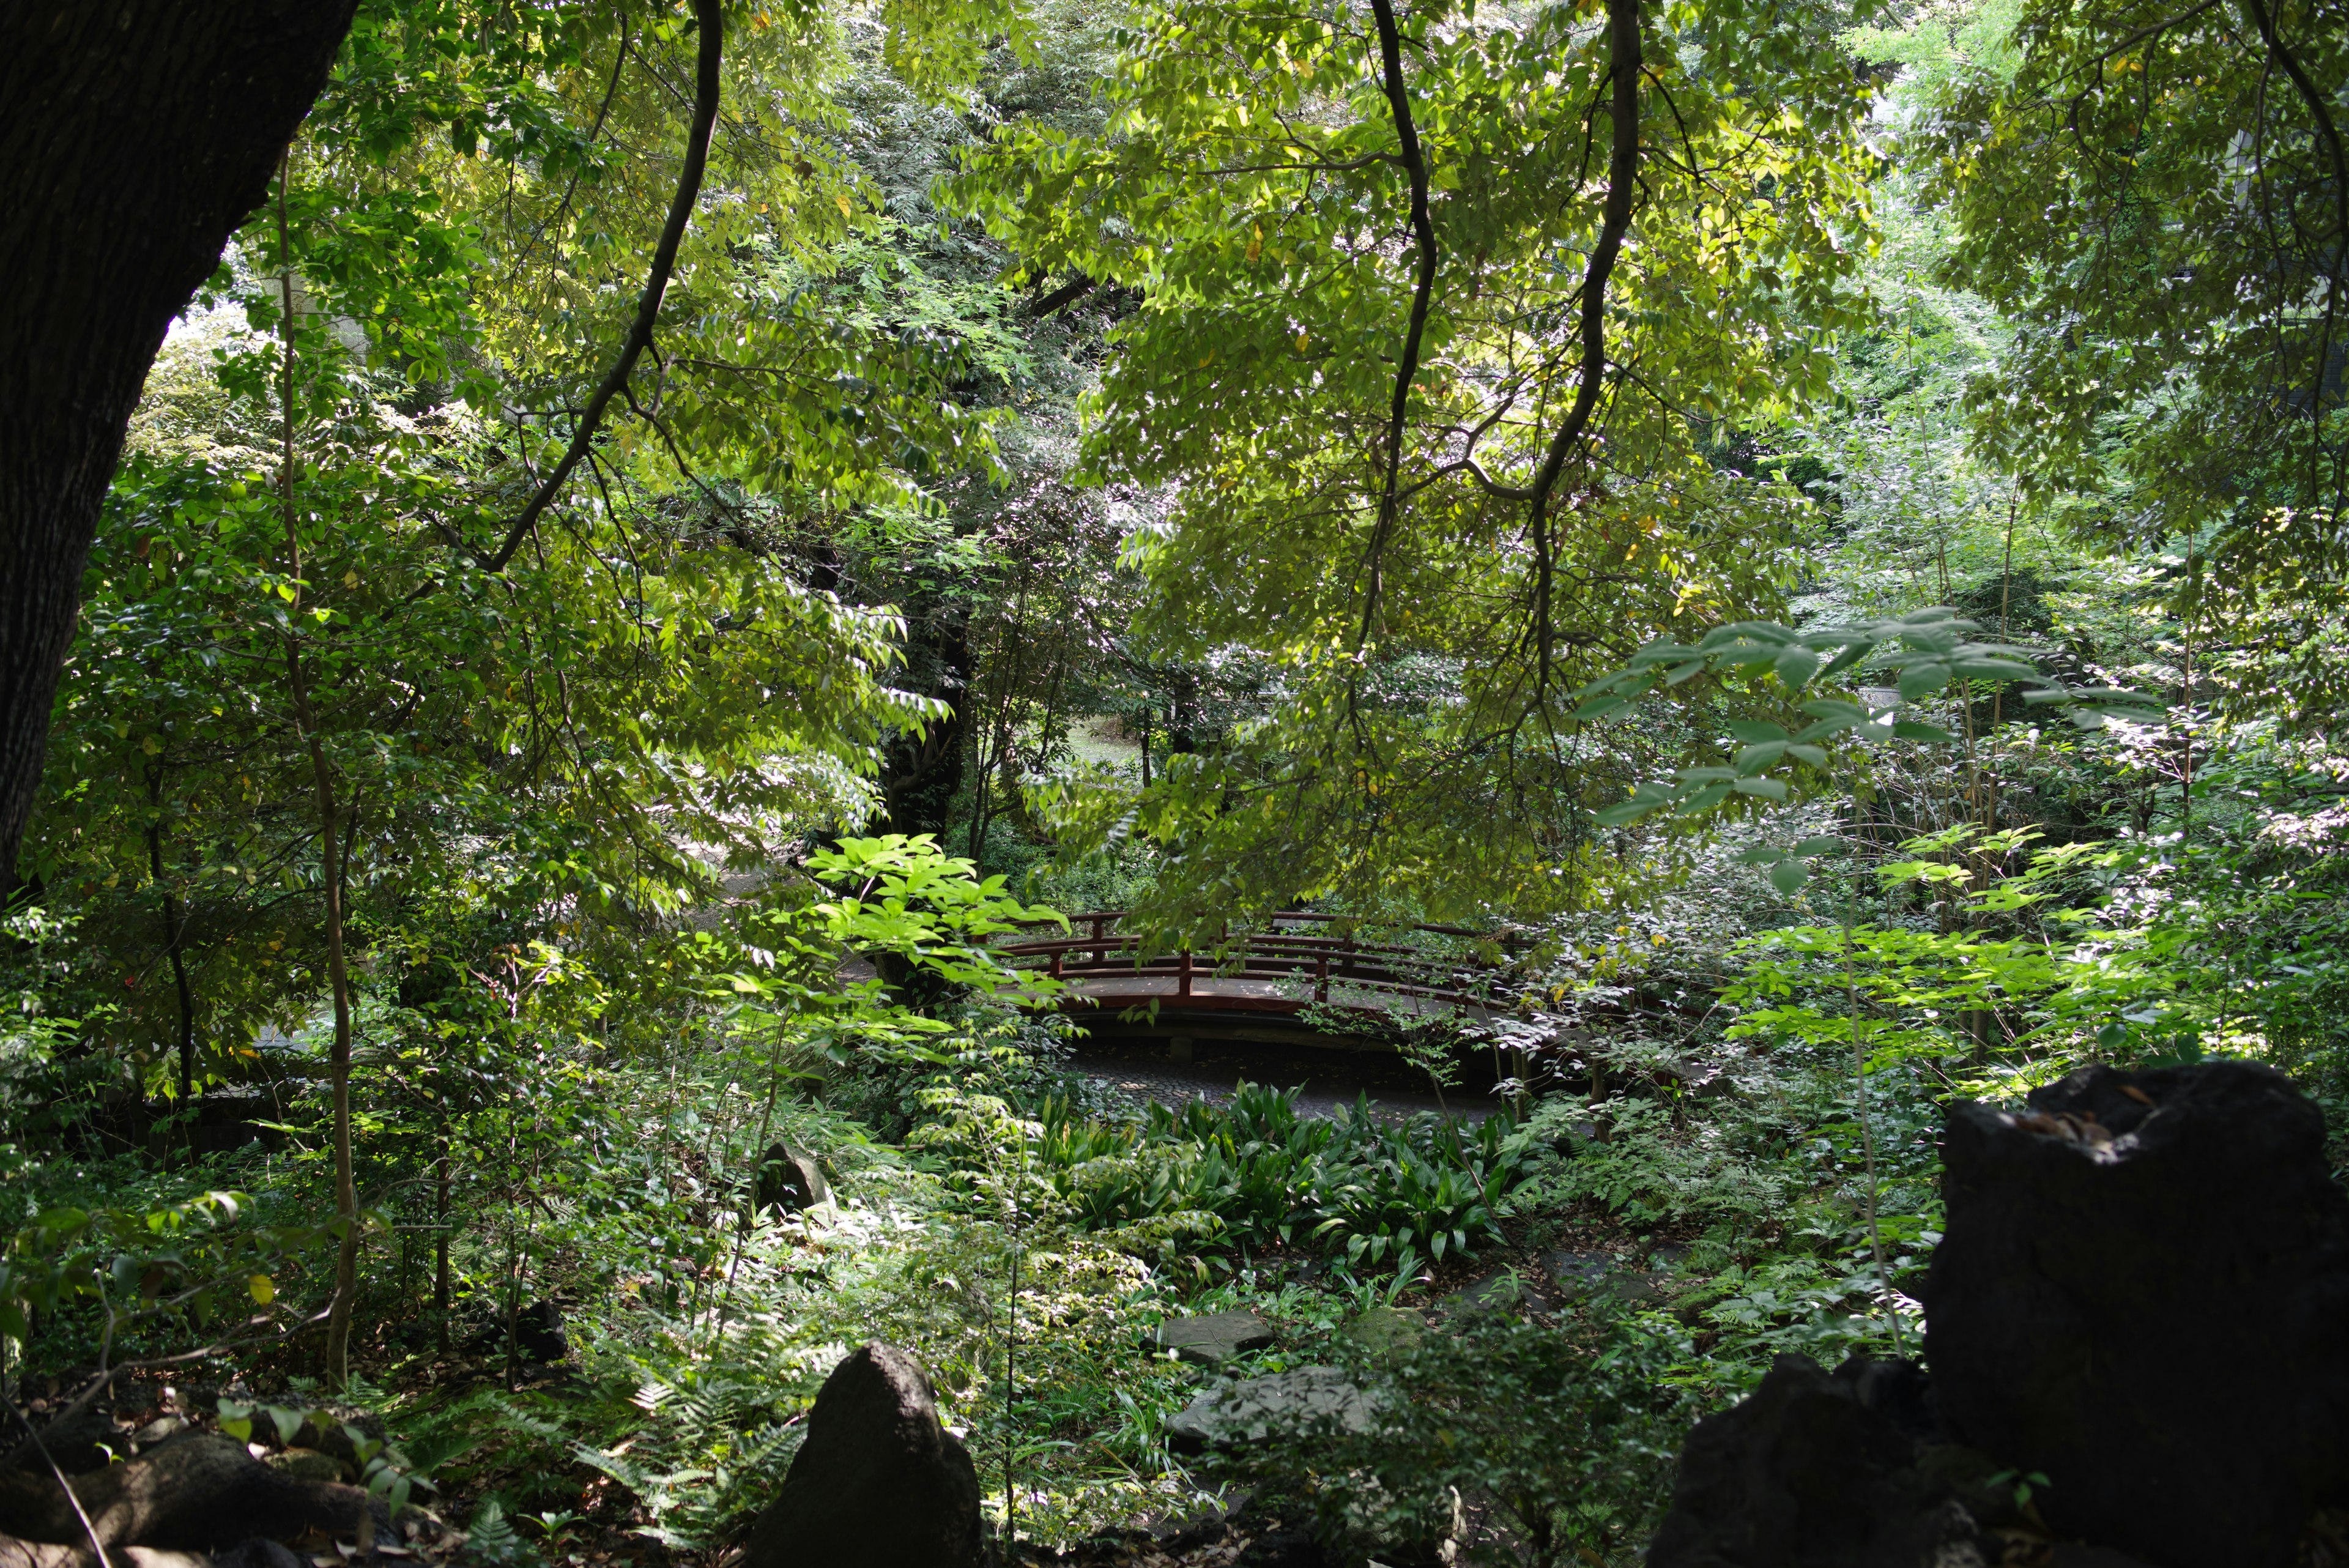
[1321, 978]
[1182, 979]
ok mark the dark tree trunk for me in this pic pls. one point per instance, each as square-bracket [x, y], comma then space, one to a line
[920, 777]
[134, 137]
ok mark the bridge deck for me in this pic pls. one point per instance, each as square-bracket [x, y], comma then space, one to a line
[1282, 970]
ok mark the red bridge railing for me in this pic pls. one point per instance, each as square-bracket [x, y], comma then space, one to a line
[1285, 968]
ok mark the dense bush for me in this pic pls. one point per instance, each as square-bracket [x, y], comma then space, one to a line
[1529, 1445]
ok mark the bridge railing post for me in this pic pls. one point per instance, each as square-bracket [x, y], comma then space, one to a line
[1321, 977]
[1101, 943]
[1182, 977]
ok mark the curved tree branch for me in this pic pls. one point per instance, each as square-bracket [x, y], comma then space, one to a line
[2265, 21]
[1622, 175]
[710, 16]
[1423, 227]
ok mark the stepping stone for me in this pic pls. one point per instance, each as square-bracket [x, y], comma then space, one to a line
[1237, 1414]
[1638, 1289]
[1384, 1334]
[1493, 1292]
[1576, 1274]
[1214, 1339]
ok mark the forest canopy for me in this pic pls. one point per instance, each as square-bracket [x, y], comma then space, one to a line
[1694, 582]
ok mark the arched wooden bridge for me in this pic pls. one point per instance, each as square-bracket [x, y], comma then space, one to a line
[1292, 963]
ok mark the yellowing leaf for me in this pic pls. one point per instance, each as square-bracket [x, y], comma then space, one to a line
[263, 1289]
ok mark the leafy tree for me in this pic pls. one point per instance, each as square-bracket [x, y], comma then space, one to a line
[2159, 195]
[1419, 412]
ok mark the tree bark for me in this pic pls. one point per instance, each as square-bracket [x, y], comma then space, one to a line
[175, 931]
[920, 775]
[135, 136]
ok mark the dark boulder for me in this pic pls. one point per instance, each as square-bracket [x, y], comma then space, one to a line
[877, 1482]
[1813, 1470]
[192, 1495]
[77, 1444]
[260, 1552]
[538, 1331]
[2142, 1292]
[789, 1180]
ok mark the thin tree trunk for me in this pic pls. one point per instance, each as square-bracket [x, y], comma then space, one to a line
[174, 935]
[134, 138]
[440, 1255]
[346, 1205]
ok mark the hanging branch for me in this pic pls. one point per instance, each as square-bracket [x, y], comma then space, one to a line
[1622, 174]
[710, 16]
[1624, 65]
[1423, 227]
[2313, 97]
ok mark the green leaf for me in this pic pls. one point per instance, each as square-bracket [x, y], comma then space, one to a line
[1810, 848]
[1755, 731]
[1811, 755]
[1760, 854]
[1797, 666]
[1599, 707]
[1769, 789]
[1994, 669]
[1922, 680]
[1705, 799]
[1910, 730]
[1788, 874]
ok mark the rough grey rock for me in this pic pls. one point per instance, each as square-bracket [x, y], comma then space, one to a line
[305, 1464]
[790, 1181]
[1384, 1334]
[1214, 1339]
[1232, 1415]
[1499, 1291]
[160, 1430]
[1814, 1471]
[877, 1483]
[1576, 1274]
[2141, 1293]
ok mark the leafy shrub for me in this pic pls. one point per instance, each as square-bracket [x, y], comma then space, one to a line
[1529, 1446]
